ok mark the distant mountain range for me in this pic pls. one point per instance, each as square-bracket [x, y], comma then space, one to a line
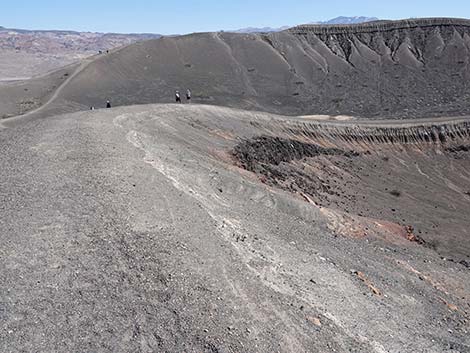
[26, 53]
[60, 41]
[347, 20]
[334, 21]
[65, 42]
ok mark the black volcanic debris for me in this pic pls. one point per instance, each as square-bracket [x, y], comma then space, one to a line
[265, 150]
[274, 159]
[461, 148]
[460, 152]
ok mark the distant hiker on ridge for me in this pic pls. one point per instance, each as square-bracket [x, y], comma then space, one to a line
[188, 95]
[178, 97]
[108, 104]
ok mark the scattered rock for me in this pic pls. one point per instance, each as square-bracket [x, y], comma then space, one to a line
[314, 320]
[395, 193]
[452, 307]
[412, 237]
[465, 263]
[369, 284]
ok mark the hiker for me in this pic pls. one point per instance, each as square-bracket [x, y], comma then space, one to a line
[178, 97]
[108, 104]
[92, 108]
[188, 95]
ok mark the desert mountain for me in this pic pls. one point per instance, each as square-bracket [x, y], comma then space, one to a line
[26, 53]
[337, 20]
[342, 20]
[260, 29]
[59, 42]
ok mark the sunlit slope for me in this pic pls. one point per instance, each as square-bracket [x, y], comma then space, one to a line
[397, 69]
[197, 228]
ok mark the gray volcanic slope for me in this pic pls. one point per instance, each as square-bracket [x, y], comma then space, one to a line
[178, 228]
[19, 97]
[198, 228]
[412, 68]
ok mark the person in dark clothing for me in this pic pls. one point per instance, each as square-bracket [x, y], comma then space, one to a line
[178, 97]
[188, 95]
[108, 104]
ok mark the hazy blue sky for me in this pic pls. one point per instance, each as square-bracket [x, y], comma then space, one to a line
[186, 16]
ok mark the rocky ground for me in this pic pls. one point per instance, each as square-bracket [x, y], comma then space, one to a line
[415, 176]
[195, 228]
[154, 228]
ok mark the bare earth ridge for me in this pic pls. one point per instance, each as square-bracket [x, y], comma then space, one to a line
[142, 228]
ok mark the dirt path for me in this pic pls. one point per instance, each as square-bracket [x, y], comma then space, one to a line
[79, 69]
